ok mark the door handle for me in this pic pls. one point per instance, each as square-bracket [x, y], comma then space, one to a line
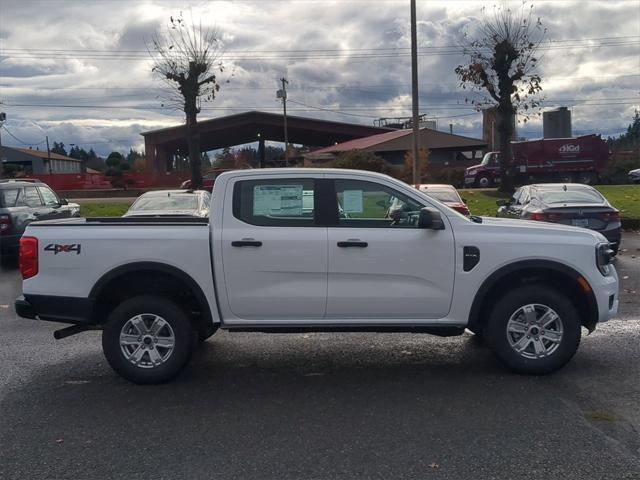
[352, 243]
[246, 243]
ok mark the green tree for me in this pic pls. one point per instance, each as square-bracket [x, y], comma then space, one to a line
[59, 148]
[225, 159]
[502, 66]
[186, 58]
[360, 160]
[630, 140]
[116, 166]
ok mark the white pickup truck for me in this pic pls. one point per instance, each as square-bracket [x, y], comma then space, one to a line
[295, 250]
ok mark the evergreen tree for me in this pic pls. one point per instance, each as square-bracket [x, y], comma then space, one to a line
[59, 149]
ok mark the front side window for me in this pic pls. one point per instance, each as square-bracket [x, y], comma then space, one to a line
[371, 205]
[275, 203]
[50, 198]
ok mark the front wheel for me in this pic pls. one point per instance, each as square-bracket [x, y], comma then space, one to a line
[147, 339]
[484, 181]
[534, 330]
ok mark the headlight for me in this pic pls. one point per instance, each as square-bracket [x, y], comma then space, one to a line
[604, 255]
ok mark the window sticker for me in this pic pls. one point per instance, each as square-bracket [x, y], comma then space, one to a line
[353, 201]
[277, 200]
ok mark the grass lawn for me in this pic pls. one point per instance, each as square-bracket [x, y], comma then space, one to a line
[103, 209]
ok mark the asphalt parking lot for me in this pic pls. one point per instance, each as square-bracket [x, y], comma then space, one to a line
[322, 406]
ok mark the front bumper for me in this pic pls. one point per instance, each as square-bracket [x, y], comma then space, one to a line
[78, 311]
[606, 292]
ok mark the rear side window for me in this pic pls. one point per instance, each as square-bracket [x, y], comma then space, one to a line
[32, 199]
[11, 197]
[275, 203]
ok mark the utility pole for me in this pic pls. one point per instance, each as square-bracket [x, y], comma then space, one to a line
[48, 154]
[414, 94]
[283, 95]
[3, 117]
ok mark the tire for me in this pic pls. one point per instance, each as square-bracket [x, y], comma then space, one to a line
[587, 178]
[154, 357]
[484, 181]
[532, 349]
[566, 178]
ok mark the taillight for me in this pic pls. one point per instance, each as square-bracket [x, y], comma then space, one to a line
[28, 257]
[5, 222]
[540, 217]
[610, 217]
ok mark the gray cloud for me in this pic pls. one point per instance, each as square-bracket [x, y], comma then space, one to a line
[353, 82]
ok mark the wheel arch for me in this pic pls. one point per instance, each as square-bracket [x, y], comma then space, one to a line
[114, 281]
[524, 272]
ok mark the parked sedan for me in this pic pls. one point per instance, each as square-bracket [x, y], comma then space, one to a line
[634, 176]
[569, 204]
[446, 194]
[194, 203]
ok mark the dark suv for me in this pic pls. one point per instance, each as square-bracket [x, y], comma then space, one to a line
[24, 201]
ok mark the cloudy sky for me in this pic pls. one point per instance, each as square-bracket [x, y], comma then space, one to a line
[78, 71]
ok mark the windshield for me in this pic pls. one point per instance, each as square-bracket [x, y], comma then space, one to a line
[571, 196]
[443, 195]
[170, 201]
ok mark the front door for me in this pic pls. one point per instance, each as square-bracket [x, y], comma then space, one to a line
[274, 253]
[381, 265]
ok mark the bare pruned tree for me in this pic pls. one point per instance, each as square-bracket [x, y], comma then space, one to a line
[186, 58]
[503, 59]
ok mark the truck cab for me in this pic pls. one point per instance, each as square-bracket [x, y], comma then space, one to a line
[486, 174]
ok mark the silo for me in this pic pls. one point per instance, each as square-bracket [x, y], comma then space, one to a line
[557, 123]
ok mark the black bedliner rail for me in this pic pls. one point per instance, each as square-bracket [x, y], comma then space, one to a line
[164, 220]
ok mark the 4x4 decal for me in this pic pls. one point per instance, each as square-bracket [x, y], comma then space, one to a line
[57, 248]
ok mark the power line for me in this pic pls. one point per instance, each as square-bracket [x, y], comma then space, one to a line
[21, 141]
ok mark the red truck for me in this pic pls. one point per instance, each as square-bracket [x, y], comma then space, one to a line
[579, 159]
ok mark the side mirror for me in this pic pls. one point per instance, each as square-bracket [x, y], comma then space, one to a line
[64, 201]
[430, 219]
[503, 203]
[382, 203]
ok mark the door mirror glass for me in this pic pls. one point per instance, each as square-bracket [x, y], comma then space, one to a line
[430, 219]
[503, 203]
[64, 201]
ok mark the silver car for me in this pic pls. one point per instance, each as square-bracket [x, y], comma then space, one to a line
[634, 176]
[172, 203]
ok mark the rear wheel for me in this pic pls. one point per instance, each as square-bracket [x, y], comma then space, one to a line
[588, 178]
[534, 330]
[147, 339]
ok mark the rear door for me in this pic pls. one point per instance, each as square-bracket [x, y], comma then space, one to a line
[274, 253]
[381, 265]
